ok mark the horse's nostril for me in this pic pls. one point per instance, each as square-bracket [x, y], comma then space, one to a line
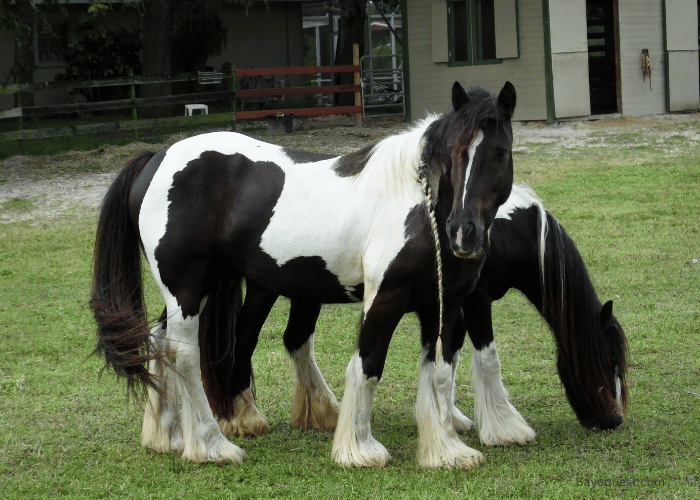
[470, 230]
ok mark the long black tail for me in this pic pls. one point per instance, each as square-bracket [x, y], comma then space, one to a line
[217, 338]
[123, 335]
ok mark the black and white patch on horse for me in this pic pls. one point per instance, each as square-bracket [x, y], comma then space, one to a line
[216, 209]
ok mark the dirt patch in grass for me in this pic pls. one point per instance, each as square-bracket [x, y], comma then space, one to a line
[77, 181]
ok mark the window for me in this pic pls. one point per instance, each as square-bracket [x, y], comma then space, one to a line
[52, 42]
[472, 32]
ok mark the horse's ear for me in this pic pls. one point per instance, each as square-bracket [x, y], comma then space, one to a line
[459, 96]
[606, 313]
[506, 99]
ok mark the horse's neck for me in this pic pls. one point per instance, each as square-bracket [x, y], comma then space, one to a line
[514, 256]
[569, 298]
[392, 167]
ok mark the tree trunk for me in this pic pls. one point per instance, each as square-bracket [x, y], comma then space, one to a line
[23, 67]
[350, 31]
[155, 55]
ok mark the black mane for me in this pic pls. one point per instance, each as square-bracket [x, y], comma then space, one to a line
[443, 133]
[352, 164]
[571, 307]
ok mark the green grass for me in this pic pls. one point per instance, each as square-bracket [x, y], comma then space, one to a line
[67, 429]
[17, 205]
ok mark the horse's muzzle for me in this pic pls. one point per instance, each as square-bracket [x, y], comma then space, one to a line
[465, 255]
[465, 240]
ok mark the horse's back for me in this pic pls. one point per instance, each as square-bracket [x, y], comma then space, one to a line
[269, 211]
[289, 220]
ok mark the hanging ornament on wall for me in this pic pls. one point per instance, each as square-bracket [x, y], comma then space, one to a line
[646, 66]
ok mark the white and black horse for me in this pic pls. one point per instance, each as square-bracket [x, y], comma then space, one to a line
[531, 252]
[218, 208]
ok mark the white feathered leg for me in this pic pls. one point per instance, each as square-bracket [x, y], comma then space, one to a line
[247, 420]
[499, 422]
[461, 422]
[353, 443]
[314, 405]
[162, 429]
[438, 443]
[203, 440]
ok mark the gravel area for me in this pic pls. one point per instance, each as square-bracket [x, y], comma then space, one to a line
[41, 187]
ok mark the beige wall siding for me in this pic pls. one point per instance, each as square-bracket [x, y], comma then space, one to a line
[569, 36]
[262, 36]
[682, 54]
[641, 27]
[431, 83]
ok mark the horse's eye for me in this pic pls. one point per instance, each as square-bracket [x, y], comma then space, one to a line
[501, 153]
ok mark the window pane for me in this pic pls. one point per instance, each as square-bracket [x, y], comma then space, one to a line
[52, 42]
[459, 36]
[485, 30]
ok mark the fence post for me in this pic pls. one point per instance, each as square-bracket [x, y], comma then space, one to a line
[134, 115]
[20, 142]
[232, 86]
[358, 95]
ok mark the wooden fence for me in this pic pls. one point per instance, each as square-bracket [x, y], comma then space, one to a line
[132, 103]
[355, 88]
[227, 80]
[282, 91]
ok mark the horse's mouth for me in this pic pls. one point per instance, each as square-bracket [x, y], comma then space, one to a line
[465, 255]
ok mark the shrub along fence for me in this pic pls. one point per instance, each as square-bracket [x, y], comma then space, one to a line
[228, 93]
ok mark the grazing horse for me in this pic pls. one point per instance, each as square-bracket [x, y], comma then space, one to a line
[373, 226]
[529, 251]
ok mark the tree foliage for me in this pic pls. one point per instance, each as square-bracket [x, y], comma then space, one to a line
[102, 53]
[17, 20]
[351, 25]
[389, 5]
[195, 38]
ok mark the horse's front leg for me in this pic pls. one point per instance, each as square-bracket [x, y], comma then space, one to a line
[500, 424]
[353, 443]
[314, 405]
[438, 442]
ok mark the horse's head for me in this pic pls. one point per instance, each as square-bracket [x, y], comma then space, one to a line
[598, 393]
[473, 144]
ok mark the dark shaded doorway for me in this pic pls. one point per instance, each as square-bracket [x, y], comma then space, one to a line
[603, 56]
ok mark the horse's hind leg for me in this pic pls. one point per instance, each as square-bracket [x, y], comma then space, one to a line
[314, 405]
[245, 418]
[202, 438]
[162, 429]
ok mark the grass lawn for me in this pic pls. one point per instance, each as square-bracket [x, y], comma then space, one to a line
[67, 429]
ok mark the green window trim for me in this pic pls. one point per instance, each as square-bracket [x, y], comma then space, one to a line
[469, 39]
